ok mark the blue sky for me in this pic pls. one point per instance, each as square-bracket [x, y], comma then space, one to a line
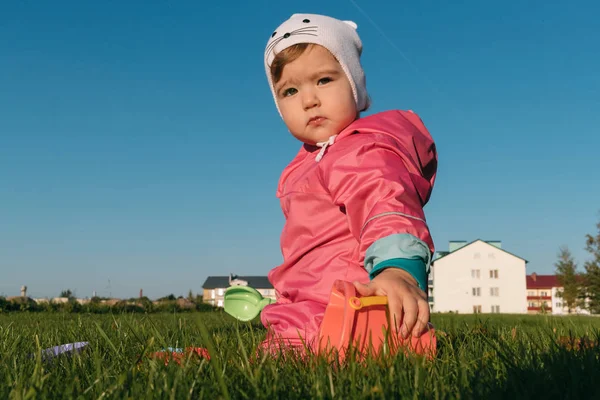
[140, 146]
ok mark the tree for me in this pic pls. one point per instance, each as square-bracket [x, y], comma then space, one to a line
[170, 297]
[66, 293]
[566, 274]
[3, 304]
[592, 271]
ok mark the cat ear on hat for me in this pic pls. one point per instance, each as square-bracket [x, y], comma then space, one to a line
[352, 24]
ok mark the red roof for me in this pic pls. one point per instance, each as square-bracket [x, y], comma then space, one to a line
[535, 281]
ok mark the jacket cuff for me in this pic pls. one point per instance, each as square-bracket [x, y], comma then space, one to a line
[401, 250]
[415, 267]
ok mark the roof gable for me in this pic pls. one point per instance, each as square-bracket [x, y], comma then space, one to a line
[542, 281]
[535, 281]
[447, 254]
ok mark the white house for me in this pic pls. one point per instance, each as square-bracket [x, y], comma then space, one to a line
[215, 286]
[478, 277]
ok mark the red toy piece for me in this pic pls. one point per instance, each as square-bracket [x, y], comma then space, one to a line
[178, 356]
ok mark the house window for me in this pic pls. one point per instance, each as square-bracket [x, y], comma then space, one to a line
[212, 294]
[477, 255]
[531, 293]
[544, 294]
[559, 305]
[220, 292]
[493, 273]
[476, 309]
[220, 303]
[494, 291]
[475, 273]
[495, 309]
[531, 304]
[476, 291]
[491, 255]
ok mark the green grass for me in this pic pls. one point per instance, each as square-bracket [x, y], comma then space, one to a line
[479, 357]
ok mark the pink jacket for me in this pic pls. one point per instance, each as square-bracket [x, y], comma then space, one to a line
[358, 206]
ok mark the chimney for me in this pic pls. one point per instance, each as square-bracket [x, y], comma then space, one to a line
[141, 293]
[534, 276]
[23, 291]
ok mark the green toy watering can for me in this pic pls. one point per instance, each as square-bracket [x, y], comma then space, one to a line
[244, 302]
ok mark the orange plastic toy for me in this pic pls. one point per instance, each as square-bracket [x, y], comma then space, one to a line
[178, 355]
[362, 322]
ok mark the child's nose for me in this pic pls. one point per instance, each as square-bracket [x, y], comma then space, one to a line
[310, 99]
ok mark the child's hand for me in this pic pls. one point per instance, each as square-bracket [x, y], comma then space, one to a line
[407, 302]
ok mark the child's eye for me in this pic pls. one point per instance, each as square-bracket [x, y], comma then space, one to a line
[289, 92]
[324, 81]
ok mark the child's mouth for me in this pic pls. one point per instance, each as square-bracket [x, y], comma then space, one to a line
[316, 121]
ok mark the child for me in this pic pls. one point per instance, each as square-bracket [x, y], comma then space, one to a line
[353, 196]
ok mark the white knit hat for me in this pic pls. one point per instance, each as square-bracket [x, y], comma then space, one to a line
[339, 37]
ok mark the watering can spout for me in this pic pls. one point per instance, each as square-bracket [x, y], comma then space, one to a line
[266, 301]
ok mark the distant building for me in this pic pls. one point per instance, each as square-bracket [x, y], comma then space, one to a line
[543, 295]
[478, 277]
[215, 286]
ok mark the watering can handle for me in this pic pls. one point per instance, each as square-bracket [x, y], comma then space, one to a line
[359, 302]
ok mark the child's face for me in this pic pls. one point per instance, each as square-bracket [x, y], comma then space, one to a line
[315, 97]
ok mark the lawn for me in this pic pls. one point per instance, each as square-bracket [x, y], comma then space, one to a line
[486, 356]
